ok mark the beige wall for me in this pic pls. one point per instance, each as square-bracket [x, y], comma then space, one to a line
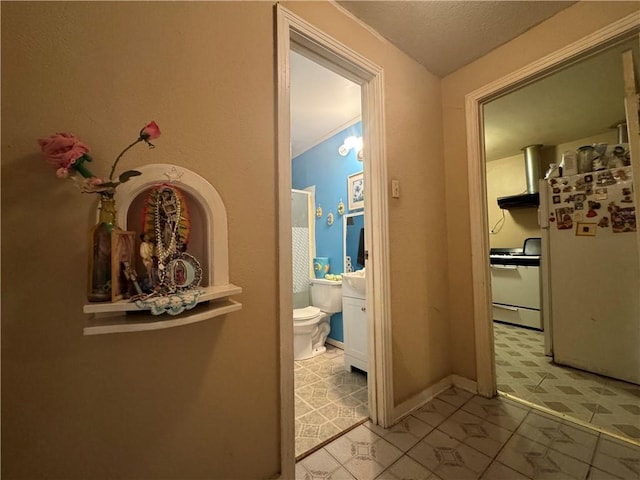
[417, 223]
[200, 400]
[562, 29]
[188, 402]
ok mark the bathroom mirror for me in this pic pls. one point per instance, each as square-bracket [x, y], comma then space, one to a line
[353, 245]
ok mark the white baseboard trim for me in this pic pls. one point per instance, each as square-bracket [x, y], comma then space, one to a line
[417, 401]
[465, 384]
[335, 343]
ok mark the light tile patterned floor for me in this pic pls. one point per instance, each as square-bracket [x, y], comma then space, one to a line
[523, 371]
[328, 399]
[462, 436]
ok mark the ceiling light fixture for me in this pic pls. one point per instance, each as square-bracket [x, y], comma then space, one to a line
[351, 142]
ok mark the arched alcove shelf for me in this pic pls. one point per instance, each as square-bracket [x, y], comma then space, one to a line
[209, 224]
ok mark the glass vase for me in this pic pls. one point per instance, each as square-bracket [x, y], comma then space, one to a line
[99, 284]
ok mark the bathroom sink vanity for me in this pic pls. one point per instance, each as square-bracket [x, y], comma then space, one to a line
[354, 315]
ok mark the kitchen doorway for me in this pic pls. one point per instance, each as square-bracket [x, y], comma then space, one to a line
[486, 350]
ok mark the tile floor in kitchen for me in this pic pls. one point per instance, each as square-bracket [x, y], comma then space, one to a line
[459, 435]
[524, 372]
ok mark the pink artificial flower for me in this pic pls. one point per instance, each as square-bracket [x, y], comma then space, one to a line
[150, 131]
[62, 149]
[62, 173]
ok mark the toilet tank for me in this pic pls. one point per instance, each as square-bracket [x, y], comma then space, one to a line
[326, 295]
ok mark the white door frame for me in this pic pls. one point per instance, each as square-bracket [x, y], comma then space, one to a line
[295, 33]
[485, 366]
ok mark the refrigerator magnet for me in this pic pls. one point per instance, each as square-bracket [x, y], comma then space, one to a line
[592, 213]
[565, 218]
[586, 229]
[588, 178]
[579, 205]
[623, 220]
[556, 199]
[601, 193]
[604, 222]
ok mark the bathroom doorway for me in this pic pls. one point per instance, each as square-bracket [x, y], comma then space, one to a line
[296, 34]
[331, 393]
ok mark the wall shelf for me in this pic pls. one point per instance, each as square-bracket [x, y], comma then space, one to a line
[117, 319]
[209, 241]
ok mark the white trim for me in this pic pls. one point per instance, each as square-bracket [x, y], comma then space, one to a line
[485, 366]
[414, 403]
[335, 343]
[294, 32]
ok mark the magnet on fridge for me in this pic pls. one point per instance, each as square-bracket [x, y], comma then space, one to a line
[604, 222]
[556, 190]
[594, 205]
[601, 193]
[556, 199]
[586, 229]
[567, 189]
[579, 205]
[588, 178]
[592, 213]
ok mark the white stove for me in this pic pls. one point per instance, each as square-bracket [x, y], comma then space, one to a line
[515, 284]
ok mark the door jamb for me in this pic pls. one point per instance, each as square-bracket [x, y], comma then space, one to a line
[485, 366]
[294, 32]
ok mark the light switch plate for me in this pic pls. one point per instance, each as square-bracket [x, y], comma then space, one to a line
[395, 188]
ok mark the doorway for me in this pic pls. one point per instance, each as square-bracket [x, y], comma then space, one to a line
[477, 102]
[331, 396]
[296, 34]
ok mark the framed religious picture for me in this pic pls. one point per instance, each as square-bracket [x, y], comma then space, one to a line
[123, 274]
[355, 190]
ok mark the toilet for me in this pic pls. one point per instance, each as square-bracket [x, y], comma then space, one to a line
[311, 324]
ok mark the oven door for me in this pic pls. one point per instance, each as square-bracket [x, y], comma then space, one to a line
[516, 294]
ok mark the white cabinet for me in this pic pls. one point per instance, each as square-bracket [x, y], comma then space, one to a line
[356, 333]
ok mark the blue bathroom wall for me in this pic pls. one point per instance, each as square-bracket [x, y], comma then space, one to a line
[325, 168]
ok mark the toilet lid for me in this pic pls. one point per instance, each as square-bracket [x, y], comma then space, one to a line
[300, 314]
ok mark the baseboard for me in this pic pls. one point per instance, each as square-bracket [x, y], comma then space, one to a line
[464, 383]
[335, 343]
[417, 401]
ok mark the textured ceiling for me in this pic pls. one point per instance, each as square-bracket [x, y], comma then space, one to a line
[571, 104]
[447, 35]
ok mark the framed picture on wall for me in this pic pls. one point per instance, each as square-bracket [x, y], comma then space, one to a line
[355, 189]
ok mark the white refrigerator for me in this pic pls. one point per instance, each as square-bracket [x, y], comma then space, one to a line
[591, 273]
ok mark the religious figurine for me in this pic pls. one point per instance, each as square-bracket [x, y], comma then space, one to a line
[146, 252]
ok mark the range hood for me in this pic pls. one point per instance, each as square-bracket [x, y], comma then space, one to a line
[531, 198]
